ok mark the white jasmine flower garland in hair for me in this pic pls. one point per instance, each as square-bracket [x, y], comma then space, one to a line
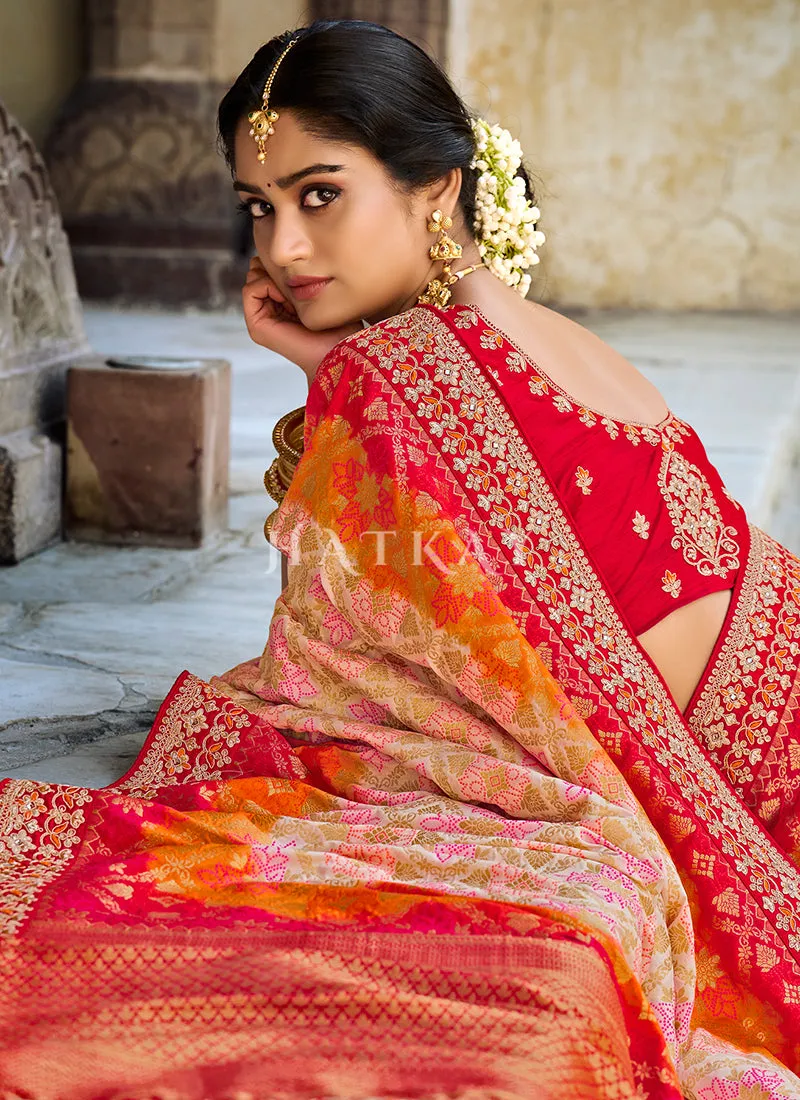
[505, 220]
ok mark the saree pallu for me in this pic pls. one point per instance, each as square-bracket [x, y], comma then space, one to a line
[184, 934]
[418, 847]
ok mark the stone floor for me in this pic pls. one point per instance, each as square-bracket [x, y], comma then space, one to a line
[91, 637]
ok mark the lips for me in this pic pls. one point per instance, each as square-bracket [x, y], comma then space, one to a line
[303, 287]
[306, 280]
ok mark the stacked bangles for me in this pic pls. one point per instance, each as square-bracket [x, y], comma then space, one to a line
[287, 436]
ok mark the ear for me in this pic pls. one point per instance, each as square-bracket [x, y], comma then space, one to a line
[443, 193]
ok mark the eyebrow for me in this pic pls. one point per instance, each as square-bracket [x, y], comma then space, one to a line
[289, 181]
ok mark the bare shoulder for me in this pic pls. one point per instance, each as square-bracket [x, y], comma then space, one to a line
[573, 333]
[586, 367]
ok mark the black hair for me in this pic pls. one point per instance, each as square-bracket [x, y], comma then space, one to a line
[360, 83]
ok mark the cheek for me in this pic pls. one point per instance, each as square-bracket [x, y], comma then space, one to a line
[380, 237]
[261, 238]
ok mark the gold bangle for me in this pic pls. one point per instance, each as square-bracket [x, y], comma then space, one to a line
[273, 484]
[287, 436]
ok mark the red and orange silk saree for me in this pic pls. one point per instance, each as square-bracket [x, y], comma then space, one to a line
[448, 836]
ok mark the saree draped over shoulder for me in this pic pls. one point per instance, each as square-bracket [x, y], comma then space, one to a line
[449, 836]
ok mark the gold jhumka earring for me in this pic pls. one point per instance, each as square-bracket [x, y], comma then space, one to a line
[261, 121]
[437, 292]
[287, 437]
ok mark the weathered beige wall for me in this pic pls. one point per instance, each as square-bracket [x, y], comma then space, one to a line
[666, 134]
[40, 59]
[244, 25]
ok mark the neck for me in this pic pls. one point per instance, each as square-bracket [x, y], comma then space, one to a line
[470, 258]
[479, 287]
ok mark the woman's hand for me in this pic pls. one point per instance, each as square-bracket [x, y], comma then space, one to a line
[272, 322]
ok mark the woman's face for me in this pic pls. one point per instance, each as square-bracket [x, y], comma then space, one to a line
[326, 210]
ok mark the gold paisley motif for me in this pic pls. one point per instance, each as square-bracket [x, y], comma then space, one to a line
[748, 695]
[706, 542]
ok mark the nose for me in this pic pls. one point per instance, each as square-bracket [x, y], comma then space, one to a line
[289, 242]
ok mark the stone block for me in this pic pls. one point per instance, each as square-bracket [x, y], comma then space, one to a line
[148, 452]
[32, 395]
[30, 493]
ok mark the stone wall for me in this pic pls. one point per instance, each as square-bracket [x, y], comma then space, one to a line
[41, 332]
[41, 58]
[665, 134]
[146, 199]
[423, 21]
[244, 25]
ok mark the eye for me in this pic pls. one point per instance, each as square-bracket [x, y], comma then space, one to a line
[255, 208]
[323, 196]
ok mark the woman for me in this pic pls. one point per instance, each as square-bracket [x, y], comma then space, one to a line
[506, 806]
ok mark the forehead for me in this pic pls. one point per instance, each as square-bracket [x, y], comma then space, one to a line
[291, 148]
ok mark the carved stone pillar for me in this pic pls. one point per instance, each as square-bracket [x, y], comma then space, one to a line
[41, 333]
[144, 195]
[423, 21]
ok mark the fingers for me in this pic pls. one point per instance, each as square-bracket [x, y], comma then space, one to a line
[257, 274]
[255, 271]
[261, 298]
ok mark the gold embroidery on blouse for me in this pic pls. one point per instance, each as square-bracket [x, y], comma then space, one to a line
[610, 426]
[671, 583]
[491, 340]
[707, 543]
[516, 362]
[746, 703]
[670, 430]
[466, 318]
[583, 479]
[641, 526]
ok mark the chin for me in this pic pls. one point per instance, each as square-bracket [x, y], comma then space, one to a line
[318, 316]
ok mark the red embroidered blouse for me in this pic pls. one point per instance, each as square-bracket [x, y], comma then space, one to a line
[650, 508]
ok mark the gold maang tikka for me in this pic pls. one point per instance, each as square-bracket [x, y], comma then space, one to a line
[437, 292]
[261, 121]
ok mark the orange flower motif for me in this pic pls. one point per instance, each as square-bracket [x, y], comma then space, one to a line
[583, 479]
[346, 476]
[560, 562]
[351, 522]
[641, 526]
[491, 339]
[671, 584]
